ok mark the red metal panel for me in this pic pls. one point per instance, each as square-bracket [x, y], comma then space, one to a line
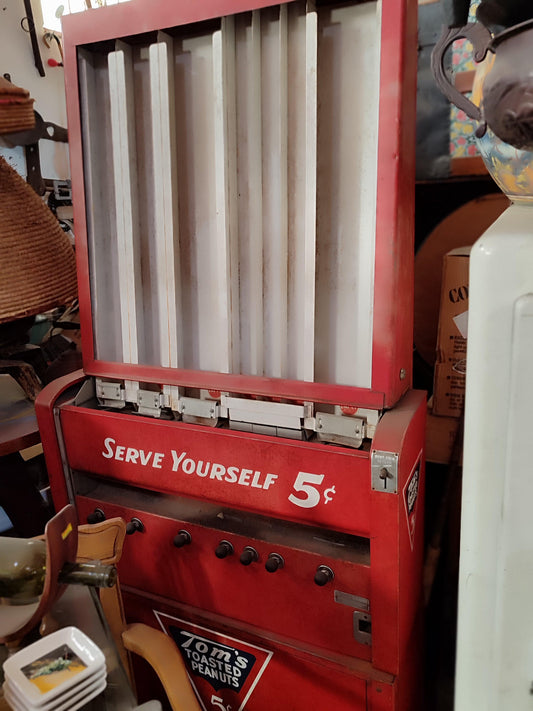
[397, 548]
[394, 266]
[45, 404]
[195, 576]
[256, 385]
[382, 697]
[295, 677]
[393, 523]
[313, 483]
[139, 17]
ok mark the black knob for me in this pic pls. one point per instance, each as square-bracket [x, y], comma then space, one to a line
[274, 562]
[249, 555]
[323, 575]
[97, 516]
[183, 538]
[224, 549]
[134, 525]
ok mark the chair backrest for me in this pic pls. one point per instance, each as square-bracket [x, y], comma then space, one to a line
[103, 541]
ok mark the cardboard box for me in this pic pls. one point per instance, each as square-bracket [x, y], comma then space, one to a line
[450, 366]
[440, 437]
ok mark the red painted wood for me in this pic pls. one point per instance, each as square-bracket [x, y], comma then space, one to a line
[396, 568]
[193, 575]
[295, 678]
[316, 661]
[394, 258]
[277, 463]
[381, 697]
[394, 265]
[256, 385]
[297, 609]
[45, 403]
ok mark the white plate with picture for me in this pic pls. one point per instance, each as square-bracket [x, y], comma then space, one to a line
[75, 701]
[61, 700]
[46, 669]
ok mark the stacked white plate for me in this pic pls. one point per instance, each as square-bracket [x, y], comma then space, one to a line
[60, 672]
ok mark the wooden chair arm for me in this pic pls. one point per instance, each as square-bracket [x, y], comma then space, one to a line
[164, 657]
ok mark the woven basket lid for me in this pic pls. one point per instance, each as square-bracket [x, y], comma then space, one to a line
[37, 263]
[16, 108]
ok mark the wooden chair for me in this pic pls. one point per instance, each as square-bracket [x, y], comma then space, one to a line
[103, 541]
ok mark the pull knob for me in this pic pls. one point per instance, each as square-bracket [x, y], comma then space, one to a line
[323, 575]
[134, 526]
[274, 562]
[97, 516]
[183, 538]
[249, 555]
[224, 549]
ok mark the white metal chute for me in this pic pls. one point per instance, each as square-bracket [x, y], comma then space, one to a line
[167, 282]
[166, 237]
[306, 367]
[348, 75]
[225, 277]
[121, 86]
[275, 199]
[301, 189]
[251, 156]
[93, 77]
[125, 175]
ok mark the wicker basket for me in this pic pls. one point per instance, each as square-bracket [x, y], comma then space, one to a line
[37, 263]
[16, 108]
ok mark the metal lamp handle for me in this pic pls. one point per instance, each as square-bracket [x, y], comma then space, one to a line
[480, 37]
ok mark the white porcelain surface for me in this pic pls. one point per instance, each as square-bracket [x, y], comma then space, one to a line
[78, 642]
[68, 697]
[75, 702]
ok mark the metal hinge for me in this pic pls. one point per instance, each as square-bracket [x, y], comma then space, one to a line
[338, 429]
[193, 408]
[385, 472]
[149, 402]
[110, 393]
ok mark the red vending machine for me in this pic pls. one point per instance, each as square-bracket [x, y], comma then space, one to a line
[243, 178]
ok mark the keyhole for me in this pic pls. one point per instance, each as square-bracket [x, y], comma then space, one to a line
[384, 474]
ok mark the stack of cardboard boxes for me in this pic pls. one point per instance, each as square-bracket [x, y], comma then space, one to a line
[450, 367]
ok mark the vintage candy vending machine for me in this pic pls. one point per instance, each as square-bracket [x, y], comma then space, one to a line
[243, 177]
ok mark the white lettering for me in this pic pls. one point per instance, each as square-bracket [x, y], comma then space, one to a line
[108, 453]
[217, 471]
[132, 455]
[158, 458]
[255, 481]
[199, 468]
[214, 470]
[269, 480]
[176, 461]
[145, 458]
[232, 475]
[188, 466]
[245, 477]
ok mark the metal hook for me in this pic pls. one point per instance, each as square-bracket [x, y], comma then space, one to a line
[48, 37]
[31, 24]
